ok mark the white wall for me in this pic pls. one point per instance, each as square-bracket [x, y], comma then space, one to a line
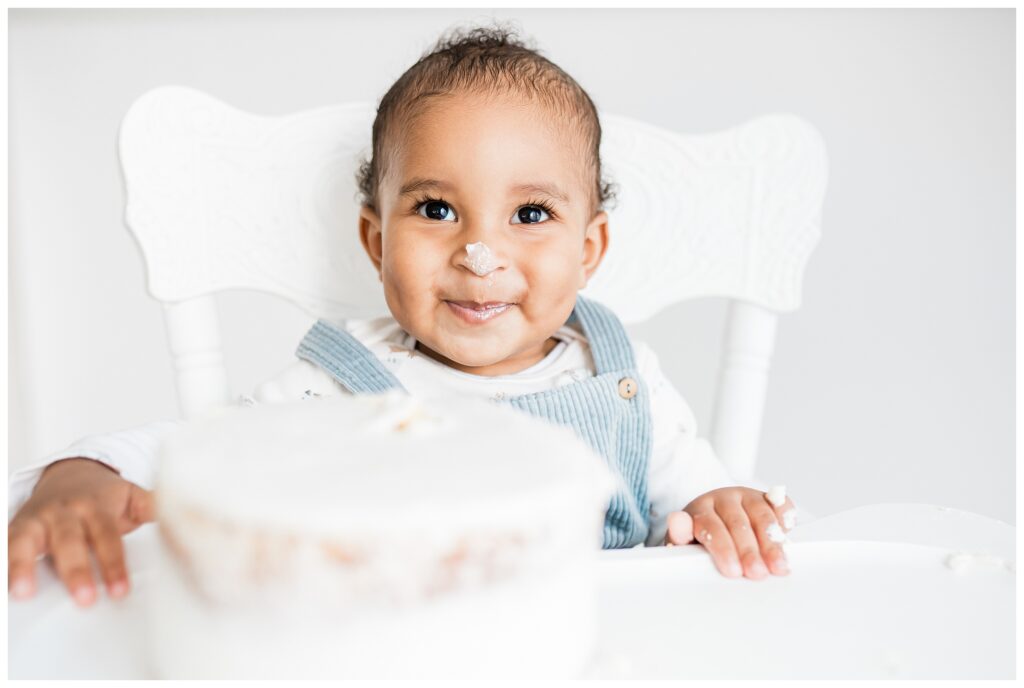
[894, 382]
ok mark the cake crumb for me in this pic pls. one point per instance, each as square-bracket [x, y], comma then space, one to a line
[961, 562]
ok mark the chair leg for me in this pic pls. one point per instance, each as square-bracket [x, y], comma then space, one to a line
[193, 332]
[742, 385]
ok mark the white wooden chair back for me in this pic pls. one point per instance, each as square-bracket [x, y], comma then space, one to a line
[218, 198]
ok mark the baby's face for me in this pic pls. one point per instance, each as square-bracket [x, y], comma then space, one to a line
[489, 311]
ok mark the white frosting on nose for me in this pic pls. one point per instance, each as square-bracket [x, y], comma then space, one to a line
[480, 259]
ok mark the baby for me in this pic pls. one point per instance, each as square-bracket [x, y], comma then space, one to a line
[482, 214]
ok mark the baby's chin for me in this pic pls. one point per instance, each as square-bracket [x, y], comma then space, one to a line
[475, 355]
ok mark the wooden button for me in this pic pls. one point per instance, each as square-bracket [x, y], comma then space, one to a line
[627, 388]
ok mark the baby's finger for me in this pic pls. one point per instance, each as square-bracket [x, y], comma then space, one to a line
[770, 535]
[105, 539]
[140, 509]
[26, 539]
[710, 531]
[744, 540]
[71, 555]
[680, 528]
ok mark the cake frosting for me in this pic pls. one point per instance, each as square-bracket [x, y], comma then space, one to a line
[775, 533]
[961, 562]
[376, 536]
[777, 495]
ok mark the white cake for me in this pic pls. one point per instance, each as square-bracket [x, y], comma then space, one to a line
[376, 536]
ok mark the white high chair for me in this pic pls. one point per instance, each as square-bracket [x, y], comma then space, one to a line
[222, 199]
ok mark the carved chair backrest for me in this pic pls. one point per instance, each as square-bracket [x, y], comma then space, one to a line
[218, 198]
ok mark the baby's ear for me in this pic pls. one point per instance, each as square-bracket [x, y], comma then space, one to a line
[371, 236]
[595, 244]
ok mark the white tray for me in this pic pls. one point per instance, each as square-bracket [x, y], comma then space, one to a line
[848, 609]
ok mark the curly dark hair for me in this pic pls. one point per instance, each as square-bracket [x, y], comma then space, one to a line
[486, 61]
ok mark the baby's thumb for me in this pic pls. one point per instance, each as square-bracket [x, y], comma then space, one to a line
[680, 528]
[141, 506]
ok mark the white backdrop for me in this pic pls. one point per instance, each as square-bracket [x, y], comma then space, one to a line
[894, 382]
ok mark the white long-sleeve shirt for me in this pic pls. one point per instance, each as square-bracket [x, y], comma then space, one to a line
[682, 466]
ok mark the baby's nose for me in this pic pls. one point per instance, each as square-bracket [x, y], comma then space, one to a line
[480, 259]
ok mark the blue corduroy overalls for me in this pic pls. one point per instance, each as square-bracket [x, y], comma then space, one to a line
[610, 411]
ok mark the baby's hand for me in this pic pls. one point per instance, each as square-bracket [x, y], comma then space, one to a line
[78, 506]
[735, 524]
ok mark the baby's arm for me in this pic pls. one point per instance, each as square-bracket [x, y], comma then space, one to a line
[678, 474]
[683, 465]
[694, 497]
[130, 453]
[98, 489]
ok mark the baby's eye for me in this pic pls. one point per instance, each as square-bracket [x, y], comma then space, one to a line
[436, 210]
[529, 215]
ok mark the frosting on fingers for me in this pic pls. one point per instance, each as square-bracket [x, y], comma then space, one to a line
[777, 495]
[775, 534]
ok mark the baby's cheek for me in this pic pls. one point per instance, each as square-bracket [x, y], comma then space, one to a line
[407, 269]
[402, 299]
[552, 292]
[555, 273]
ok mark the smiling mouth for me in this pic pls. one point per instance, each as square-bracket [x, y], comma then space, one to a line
[474, 312]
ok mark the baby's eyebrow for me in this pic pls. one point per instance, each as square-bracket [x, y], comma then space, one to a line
[546, 188]
[417, 183]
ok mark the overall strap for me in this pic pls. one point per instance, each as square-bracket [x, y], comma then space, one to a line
[346, 359]
[609, 343]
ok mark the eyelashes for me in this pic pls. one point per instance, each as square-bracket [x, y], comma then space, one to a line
[543, 205]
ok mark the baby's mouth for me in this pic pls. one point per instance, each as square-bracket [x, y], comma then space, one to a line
[476, 312]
